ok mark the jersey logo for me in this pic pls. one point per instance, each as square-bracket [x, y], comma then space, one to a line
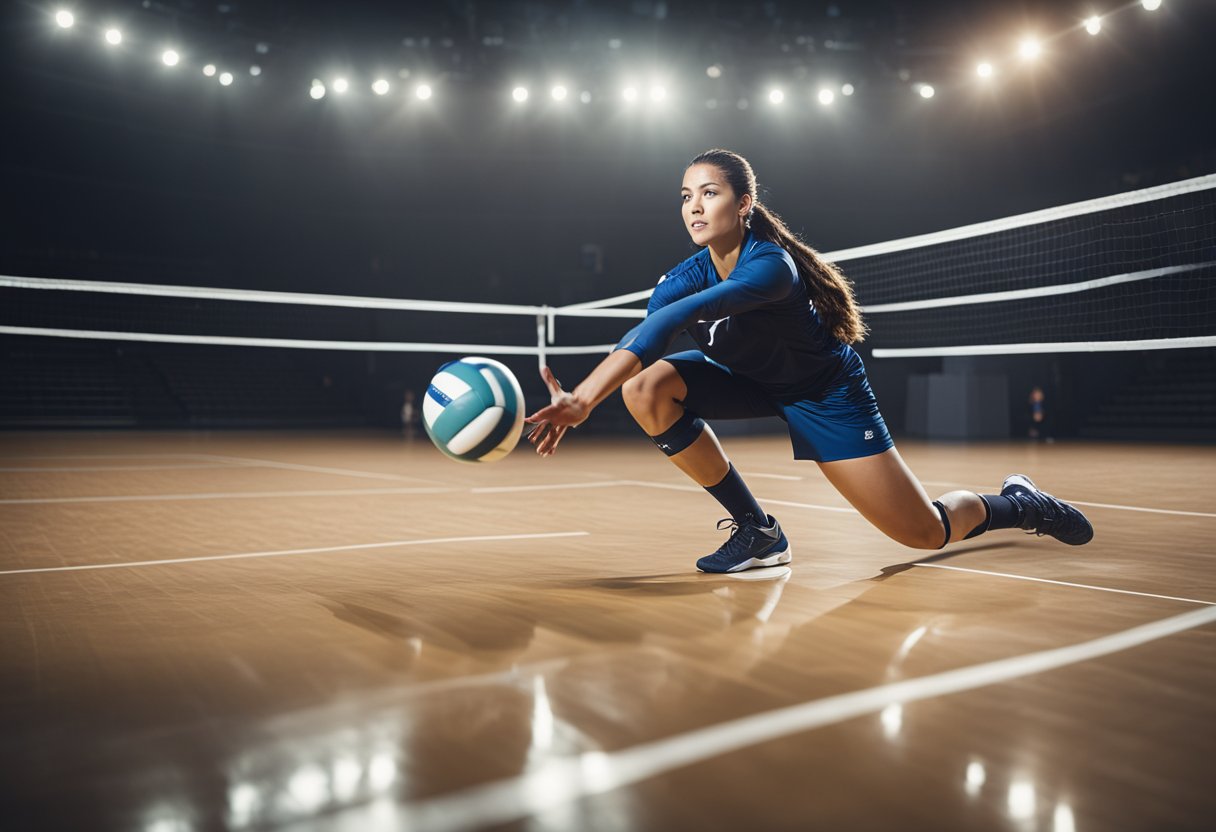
[869, 434]
[713, 328]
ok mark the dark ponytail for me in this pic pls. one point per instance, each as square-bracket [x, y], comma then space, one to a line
[828, 288]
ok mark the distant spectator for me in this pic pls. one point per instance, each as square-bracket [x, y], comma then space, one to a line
[1039, 427]
[409, 414]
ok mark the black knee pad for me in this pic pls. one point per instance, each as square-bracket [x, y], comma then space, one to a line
[941, 509]
[679, 436]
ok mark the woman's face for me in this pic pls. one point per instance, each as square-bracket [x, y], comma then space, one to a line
[710, 208]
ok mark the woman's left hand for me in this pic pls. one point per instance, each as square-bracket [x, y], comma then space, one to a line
[564, 412]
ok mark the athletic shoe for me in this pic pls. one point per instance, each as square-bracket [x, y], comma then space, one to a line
[750, 546]
[1042, 514]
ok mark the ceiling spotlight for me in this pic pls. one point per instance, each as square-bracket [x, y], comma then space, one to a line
[776, 96]
[113, 37]
[520, 94]
[317, 91]
[424, 91]
[630, 93]
[714, 71]
[1030, 48]
[1093, 24]
[170, 58]
[65, 19]
[984, 69]
[255, 70]
[380, 86]
[926, 91]
[847, 89]
[226, 79]
[341, 85]
[559, 93]
[585, 96]
[658, 93]
[1151, 5]
[826, 97]
[209, 70]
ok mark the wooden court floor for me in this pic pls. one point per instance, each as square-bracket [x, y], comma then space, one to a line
[346, 631]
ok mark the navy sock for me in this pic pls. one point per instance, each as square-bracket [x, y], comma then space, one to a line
[1003, 513]
[736, 498]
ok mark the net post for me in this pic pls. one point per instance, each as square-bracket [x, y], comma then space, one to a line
[540, 340]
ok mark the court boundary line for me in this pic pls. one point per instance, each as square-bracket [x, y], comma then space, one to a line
[541, 487]
[506, 489]
[252, 462]
[567, 779]
[187, 454]
[79, 469]
[1063, 583]
[1116, 506]
[285, 552]
[227, 495]
[1149, 510]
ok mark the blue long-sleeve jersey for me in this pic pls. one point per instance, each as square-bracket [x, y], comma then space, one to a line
[758, 323]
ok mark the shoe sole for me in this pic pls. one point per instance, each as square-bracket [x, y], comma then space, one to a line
[778, 559]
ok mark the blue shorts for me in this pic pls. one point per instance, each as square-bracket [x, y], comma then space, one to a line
[840, 422]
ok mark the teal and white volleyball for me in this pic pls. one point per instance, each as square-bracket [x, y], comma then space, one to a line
[474, 410]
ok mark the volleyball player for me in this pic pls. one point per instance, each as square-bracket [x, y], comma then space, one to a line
[774, 323]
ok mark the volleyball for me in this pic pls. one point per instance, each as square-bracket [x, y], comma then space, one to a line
[474, 410]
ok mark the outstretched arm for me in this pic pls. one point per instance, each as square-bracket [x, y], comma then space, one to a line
[567, 410]
[767, 277]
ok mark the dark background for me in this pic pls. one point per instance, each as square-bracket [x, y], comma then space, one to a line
[119, 169]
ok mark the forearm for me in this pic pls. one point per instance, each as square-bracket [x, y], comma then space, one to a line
[608, 375]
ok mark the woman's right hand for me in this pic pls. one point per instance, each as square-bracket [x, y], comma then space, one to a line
[564, 412]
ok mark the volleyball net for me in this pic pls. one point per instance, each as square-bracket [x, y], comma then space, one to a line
[1133, 271]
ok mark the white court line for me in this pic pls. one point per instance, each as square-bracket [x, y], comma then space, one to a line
[505, 490]
[1062, 583]
[354, 492]
[943, 484]
[79, 469]
[560, 486]
[283, 552]
[567, 779]
[673, 487]
[667, 486]
[1139, 508]
[227, 495]
[990, 490]
[291, 466]
[231, 462]
[773, 476]
[840, 509]
[94, 456]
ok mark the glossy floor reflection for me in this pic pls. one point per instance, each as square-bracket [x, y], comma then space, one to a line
[348, 632]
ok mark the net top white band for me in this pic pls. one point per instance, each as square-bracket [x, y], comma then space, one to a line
[1060, 212]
